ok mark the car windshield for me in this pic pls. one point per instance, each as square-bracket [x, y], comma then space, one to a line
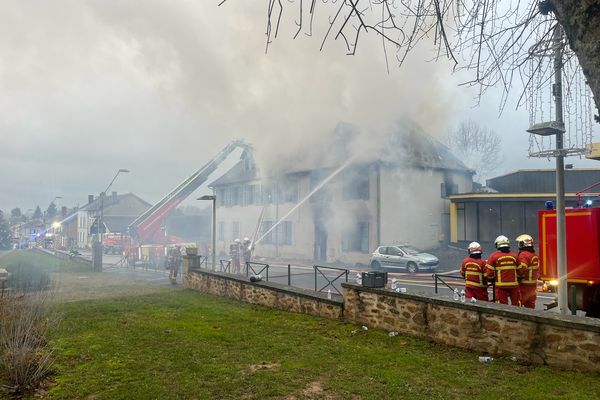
[410, 250]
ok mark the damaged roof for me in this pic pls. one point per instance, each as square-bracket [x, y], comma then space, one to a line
[404, 144]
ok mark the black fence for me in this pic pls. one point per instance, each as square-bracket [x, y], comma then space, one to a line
[330, 281]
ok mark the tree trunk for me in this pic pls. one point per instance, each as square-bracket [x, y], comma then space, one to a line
[580, 20]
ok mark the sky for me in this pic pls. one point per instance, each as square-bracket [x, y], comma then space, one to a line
[158, 87]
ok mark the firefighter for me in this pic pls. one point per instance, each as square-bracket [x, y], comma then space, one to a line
[503, 267]
[234, 253]
[174, 261]
[473, 270]
[529, 271]
[247, 250]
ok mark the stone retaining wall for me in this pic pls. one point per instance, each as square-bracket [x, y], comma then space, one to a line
[268, 294]
[538, 337]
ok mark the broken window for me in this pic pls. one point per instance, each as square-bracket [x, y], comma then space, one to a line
[356, 184]
[289, 191]
[356, 238]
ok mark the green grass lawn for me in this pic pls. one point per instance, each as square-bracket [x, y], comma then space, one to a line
[178, 344]
[13, 258]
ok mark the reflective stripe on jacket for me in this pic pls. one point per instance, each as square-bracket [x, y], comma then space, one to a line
[472, 269]
[529, 265]
[503, 268]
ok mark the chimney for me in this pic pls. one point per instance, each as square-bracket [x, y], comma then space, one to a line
[114, 197]
[90, 198]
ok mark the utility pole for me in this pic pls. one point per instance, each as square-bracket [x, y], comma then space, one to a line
[557, 127]
[561, 229]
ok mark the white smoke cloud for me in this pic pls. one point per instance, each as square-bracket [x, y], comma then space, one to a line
[87, 87]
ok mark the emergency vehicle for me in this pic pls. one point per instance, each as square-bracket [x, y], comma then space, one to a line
[147, 236]
[583, 255]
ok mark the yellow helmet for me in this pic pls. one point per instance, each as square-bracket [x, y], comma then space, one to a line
[524, 240]
[501, 241]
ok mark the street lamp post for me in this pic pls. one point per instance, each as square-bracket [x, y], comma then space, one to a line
[99, 251]
[214, 227]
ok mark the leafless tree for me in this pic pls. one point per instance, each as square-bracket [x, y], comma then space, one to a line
[494, 39]
[479, 148]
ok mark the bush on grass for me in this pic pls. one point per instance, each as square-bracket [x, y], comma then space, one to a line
[25, 354]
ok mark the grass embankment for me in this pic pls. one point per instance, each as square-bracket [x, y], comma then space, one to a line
[30, 269]
[185, 345]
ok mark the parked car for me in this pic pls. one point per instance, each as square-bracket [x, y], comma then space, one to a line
[402, 257]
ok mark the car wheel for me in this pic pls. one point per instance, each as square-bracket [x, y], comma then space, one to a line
[412, 267]
[375, 265]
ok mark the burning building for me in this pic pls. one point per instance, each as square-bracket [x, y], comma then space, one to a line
[338, 204]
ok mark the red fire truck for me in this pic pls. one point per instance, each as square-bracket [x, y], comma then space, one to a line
[145, 231]
[583, 255]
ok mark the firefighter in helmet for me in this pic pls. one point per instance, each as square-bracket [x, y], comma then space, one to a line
[247, 250]
[529, 270]
[234, 253]
[174, 261]
[473, 270]
[503, 267]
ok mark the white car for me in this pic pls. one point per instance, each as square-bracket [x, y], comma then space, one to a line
[402, 257]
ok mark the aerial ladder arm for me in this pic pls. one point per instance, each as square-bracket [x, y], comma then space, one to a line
[147, 225]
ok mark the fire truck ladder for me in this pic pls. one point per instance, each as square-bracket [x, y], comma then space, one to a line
[147, 225]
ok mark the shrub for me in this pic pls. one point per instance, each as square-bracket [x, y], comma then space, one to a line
[25, 354]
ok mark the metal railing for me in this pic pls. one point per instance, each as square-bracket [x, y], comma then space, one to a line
[250, 266]
[225, 266]
[330, 282]
[440, 277]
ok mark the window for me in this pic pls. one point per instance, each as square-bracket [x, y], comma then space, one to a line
[356, 238]
[289, 191]
[284, 231]
[235, 230]
[236, 196]
[489, 216]
[267, 194]
[249, 195]
[323, 194]
[221, 230]
[264, 228]
[220, 193]
[356, 184]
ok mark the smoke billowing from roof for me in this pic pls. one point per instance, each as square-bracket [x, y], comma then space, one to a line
[158, 87]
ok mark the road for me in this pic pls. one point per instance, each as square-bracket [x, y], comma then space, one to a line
[324, 278]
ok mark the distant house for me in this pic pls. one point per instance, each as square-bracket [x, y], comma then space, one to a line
[118, 211]
[511, 207]
[395, 193]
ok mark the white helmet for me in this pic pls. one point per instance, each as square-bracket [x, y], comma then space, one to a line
[524, 240]
[236, 240]
[474, 248]
[501, 241]
[246, 240]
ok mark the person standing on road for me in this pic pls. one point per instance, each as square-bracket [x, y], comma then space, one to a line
[174, 261]
[529, 271]
[473, 270]
[247, 250]
[503, 267]
[234, 253]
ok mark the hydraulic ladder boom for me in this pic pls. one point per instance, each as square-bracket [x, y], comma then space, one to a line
[147, 226]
